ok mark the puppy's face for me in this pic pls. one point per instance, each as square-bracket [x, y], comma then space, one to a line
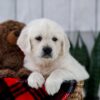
[43, 40]
[45, 46]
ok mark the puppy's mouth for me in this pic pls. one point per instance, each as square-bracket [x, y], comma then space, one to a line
[46, 56]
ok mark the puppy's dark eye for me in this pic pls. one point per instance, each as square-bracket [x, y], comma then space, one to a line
[39, 38]
[54, 39]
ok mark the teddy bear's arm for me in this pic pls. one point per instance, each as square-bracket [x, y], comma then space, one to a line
[7, 73]
[23, 72]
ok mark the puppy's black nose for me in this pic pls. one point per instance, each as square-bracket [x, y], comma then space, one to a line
[47, 50]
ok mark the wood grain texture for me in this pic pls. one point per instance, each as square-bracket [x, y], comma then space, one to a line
[83, 15]
[7, 10]
[28, 10]
[58, 10]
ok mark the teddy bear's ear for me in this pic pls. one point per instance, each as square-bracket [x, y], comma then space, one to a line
[12, 38]
[24, 41]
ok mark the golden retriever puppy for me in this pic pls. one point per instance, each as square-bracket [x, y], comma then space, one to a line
[46, 49]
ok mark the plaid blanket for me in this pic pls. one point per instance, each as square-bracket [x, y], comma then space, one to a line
[17, 89]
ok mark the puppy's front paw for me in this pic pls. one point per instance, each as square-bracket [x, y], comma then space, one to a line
[36, 80]
[52, 85]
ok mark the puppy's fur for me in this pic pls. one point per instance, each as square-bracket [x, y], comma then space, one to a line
[53, 69]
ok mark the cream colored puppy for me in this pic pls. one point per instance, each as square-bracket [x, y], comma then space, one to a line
[46, 49]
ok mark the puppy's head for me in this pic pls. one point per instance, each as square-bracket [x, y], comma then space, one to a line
[43, 40]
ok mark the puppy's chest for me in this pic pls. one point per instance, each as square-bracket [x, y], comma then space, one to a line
[46, 70]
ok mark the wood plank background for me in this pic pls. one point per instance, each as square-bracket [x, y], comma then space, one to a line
[73, 15]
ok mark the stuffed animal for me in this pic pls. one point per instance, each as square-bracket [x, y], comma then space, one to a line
[11, 57]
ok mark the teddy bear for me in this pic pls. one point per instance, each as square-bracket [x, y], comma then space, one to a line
[11, 56]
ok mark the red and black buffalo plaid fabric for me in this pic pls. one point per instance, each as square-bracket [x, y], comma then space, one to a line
[17, 89]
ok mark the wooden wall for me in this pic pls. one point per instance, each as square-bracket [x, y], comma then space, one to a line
[73, 15]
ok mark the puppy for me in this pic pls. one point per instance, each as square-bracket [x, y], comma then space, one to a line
[46, 49]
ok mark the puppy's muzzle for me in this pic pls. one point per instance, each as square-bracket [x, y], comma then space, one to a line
[47, 52]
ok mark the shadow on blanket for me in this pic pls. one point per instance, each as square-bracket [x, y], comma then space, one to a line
[17, 89]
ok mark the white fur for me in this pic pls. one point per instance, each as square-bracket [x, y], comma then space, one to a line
[36, 80]
[62, 66]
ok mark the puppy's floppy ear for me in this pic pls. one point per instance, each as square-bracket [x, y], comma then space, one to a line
[65, 44]
[24, 41]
